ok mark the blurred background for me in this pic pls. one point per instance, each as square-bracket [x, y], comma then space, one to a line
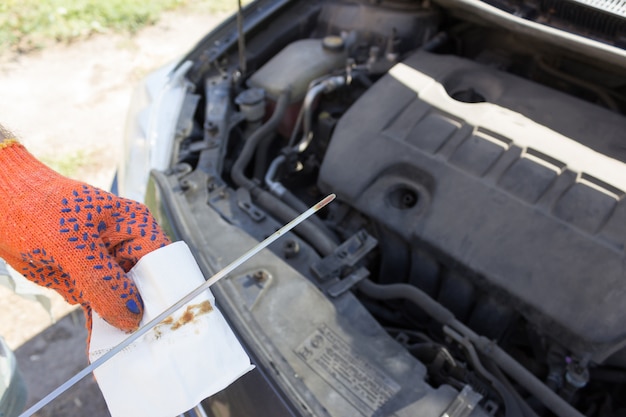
[67, 72]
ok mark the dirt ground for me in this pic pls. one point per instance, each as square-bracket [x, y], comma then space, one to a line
[68, 105]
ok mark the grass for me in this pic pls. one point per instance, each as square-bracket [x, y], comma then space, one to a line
[69, 164]
[26, 25]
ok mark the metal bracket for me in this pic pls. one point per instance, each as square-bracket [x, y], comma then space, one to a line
[219, 120]
[338, 272]
[463, 404]
[345, 257]
[244, 201]
[340, 286]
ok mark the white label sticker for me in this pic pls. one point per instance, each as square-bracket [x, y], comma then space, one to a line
[359, 381]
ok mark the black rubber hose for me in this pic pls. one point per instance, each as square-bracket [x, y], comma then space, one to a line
[511, 407]
[309, 232]
[435, 42]
[260, 158]
[411, 293]
[295, 203]
[526, 409]
[526, 379]
[322, 243]
[487, 347]
[268, 128]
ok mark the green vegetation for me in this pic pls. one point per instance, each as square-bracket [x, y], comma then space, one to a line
[31, 24]
[69, 164]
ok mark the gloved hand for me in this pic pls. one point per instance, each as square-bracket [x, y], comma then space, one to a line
[72, 237]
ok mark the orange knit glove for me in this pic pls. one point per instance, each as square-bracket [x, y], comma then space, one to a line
[72, 237]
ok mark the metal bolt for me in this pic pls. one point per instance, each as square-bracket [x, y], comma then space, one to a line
[291, 248]
[212, 128]
[260, 276]
[186, 184]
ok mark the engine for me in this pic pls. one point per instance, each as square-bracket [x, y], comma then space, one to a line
[505, 180]
[484, 168]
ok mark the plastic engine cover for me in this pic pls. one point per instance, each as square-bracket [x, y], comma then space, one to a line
[519, 184]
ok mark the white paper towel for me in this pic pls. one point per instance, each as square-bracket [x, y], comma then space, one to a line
[188, 357]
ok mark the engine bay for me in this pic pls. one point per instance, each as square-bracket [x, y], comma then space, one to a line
[480, 178]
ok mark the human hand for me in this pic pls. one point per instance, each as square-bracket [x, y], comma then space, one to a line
[72, 237]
